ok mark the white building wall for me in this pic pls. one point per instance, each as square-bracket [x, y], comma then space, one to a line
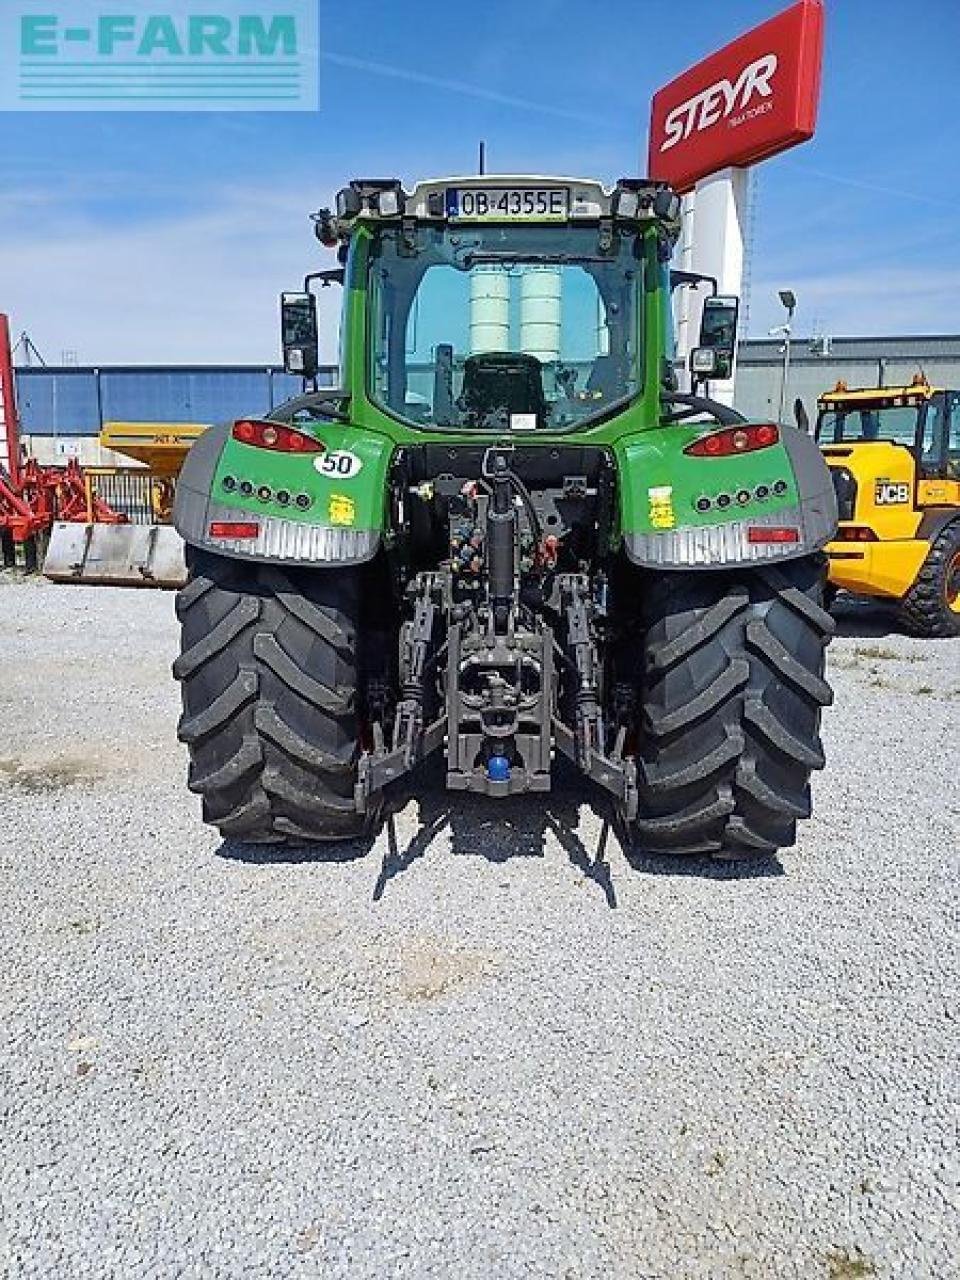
[713, 230]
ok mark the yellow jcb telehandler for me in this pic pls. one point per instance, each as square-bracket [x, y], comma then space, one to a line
[894, 454]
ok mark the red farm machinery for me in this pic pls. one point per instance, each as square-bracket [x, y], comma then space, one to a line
[106, 525]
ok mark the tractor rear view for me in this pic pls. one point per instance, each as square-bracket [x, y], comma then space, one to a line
[506, 536]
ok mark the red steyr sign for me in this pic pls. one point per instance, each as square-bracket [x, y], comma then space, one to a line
[751, 99]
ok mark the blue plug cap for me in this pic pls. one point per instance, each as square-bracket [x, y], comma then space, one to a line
[498, 769]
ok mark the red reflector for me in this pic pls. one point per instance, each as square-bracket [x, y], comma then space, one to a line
[772, 533]
[273, 435]
[856, 533]
[233, 529]
[721, 444]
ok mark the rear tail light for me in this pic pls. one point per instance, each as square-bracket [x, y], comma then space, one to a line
[856, 533]
[273, 435]
[733, 440]
[773, 533]
[234, 529]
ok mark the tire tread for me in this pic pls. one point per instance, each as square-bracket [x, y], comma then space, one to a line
[923, 610]
[731, 697]
[268, 674]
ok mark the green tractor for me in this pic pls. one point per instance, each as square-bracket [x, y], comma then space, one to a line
[504, 536]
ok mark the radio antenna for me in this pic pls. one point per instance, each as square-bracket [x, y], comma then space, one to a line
[482, 159]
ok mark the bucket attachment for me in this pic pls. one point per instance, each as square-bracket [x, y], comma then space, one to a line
[117, 555]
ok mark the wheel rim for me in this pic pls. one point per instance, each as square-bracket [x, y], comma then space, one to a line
[952, 584]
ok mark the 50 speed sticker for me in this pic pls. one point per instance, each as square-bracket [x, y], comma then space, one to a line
[339, 465]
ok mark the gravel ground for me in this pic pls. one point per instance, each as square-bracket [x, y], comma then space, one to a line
[487, 1046]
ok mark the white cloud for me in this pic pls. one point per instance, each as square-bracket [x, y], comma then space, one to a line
[877, 300]
[196, 288]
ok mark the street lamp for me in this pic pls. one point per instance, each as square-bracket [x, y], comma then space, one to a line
[789, 300]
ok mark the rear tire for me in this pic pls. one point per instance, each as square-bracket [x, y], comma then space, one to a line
[731, 697]
[269, 688]
[931, 607]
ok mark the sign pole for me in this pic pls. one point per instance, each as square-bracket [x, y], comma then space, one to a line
[9, 421]
[685, 323]
[752, 99]
[719, 223]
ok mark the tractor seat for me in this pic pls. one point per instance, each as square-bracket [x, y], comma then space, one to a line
[608, 378]
[505, 382]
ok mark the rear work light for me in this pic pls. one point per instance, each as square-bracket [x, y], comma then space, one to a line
[855, 533]
[733, 440]
[234, 529]
[273, 435]
[773, 533]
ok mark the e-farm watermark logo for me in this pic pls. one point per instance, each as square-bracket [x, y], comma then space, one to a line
[135, 55]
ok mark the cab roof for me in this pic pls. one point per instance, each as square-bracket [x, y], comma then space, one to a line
[636, 200]
[918, 390]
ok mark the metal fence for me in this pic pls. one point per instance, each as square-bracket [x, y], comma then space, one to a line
[141, 495]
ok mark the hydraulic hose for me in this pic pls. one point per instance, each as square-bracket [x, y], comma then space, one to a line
[501, 548]
[535, 526]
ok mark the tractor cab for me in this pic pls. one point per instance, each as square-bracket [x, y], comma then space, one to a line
[494, 304]
[921, 418]
[906, 440]
[894, 456]
[507, 304]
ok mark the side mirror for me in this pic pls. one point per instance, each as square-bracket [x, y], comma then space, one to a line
[718, 331]
[298, 328]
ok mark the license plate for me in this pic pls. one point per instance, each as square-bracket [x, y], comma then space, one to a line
[496, 204]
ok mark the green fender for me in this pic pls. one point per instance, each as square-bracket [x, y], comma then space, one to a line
[319, 508]
[679, 511]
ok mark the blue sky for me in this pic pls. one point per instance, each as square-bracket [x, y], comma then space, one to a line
[135, 237]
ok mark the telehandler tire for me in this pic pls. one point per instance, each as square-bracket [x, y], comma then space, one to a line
[931, 607]
[269, 689]
[731, 698]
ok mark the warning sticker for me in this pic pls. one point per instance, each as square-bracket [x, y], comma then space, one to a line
[342, 510]
[662, 515]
